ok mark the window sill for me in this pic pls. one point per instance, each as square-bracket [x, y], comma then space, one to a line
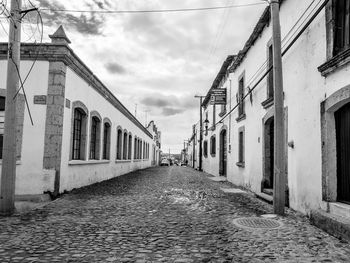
[240, 164]
[18, 162]
[335, 63]
[122, 161]
[82, 162]
[241, 117]
[268, 103]
[137, 160]
[213, 155]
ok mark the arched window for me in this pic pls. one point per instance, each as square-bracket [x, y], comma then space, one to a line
[95, 138]
[79, 134]
[144, 151]
[212, 145]
[205, 148]
[106, 140]
[119, 144]
[140, 149]
[125, 145]
[130, 146]
[135, 148]
[2, 121]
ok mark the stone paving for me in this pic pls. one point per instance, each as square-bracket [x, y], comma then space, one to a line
[163, 214]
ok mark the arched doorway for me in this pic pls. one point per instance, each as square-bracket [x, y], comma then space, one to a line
[269, 130]
[223, 153]
[342, 123]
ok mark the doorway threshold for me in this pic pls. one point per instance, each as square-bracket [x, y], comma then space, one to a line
[265, 197]
[218, 178]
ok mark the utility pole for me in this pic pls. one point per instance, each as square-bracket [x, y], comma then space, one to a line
[200, 131]
[279, 155]
[8, 170]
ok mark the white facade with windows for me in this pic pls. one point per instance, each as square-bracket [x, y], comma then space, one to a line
[81, 134]
[316, 100]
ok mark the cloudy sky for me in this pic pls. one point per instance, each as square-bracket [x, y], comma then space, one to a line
[158, 61]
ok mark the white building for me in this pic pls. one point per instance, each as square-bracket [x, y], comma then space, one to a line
[82, 134]
[157, 139]
[317, 110]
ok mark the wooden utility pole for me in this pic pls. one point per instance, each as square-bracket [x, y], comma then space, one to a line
[279, 155]
[8, 170]
[200, 132]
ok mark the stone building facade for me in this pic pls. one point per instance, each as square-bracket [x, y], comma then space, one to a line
[81, 134]
[239, 142]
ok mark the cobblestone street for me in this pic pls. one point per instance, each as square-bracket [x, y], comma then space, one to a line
[160, 214]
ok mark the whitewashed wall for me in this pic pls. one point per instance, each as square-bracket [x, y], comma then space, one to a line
[305, 89]
[31, 177]
[80, 173]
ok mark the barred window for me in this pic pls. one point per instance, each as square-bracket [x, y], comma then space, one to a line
[106, 141]
[125, 146]
[205, 148]
[77, 147]
[2, 122]
[342, 26]
[241, 96]
[130, 147]
[213, 145]
[241, 146]
[270, 79]
[119, 144]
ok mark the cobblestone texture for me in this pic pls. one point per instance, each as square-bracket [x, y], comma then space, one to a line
[164, 214]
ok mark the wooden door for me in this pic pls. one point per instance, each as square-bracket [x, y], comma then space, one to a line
[223, 154]
[342, 118]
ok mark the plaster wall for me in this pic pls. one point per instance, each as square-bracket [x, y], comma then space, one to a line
[304, 89]
[31, 177]
[80, 173]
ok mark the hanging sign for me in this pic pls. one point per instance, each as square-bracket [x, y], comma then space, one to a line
[218, 97]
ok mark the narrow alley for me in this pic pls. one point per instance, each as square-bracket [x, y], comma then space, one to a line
[162, 214]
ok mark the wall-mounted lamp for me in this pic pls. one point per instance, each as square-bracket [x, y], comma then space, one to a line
[291, 144]
[206, 124]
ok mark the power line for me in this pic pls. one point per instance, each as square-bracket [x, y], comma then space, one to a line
[152, 11]
[308, 22]
[291, 33]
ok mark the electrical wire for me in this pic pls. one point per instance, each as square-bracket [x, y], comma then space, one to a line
[221, 27]
[264, 67]
[37, 53]
[151, 11]
[270, 68]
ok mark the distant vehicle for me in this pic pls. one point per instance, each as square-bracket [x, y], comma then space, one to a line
[170, 161]
[165, 162]
[183, 164]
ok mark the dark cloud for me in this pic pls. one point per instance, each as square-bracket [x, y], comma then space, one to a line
[156, 102]
[114, 67]
[171, 111]
[90, 24]
[100, 4]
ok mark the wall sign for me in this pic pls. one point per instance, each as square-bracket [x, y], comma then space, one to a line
[40, 99]
[218, 97]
